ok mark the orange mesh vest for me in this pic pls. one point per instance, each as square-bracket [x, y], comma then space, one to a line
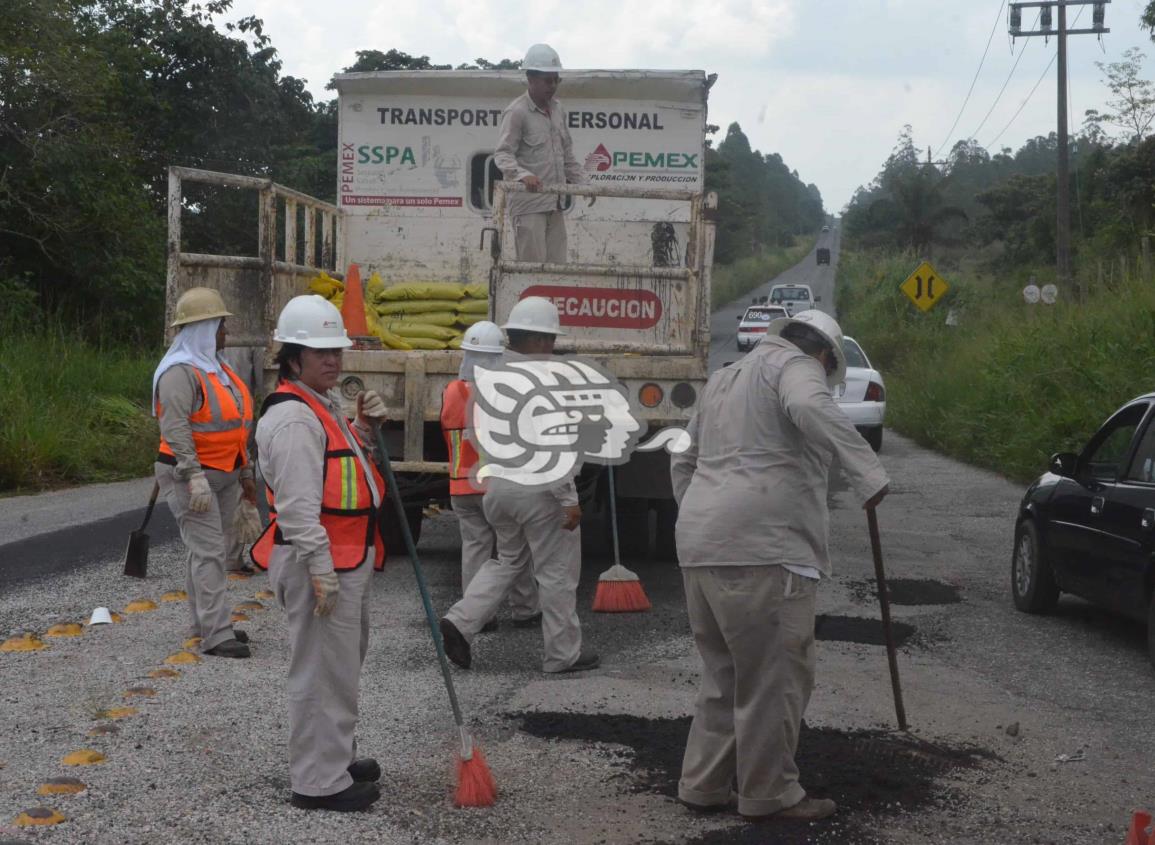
[462, 453]
[220, 429]
[347, 511]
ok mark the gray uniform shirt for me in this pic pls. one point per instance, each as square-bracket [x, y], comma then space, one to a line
[291, 450]
[179, 392]
[534, 142]
[752, 488]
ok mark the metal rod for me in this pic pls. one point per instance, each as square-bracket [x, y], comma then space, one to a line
[884, 602]
[611, 191]
[615, 270]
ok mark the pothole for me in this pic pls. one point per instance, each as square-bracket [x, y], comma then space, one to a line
[859, 629]
[909, 591]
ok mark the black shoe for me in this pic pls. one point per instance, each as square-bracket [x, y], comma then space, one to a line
[357, 796]
[704, 809]
[365, 770]
[529, 622]
[230, 648]
[456, 646]
[241, 636]
[586, 660]
[489, 627]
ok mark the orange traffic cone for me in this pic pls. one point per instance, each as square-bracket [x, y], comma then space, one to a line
[353, 306]
[1138, 834]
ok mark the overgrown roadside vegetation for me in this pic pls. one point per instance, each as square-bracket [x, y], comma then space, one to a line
[731, 281]
[1011, 384]
[74, 413]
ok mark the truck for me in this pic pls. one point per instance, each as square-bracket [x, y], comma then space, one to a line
[419, 198]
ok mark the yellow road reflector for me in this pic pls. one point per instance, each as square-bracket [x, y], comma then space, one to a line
[140, 606]
[248, 605]
[139, 692]
[25, 642]
[181, 658]
[83, 757]
[103, 730]
[166, 673]
[116, 617]
[266, 594]
[116, 713]
[192, 642]
[65, 629]
[38, 817]
[240, 617]
[61, 786]
[175, 595]
[239, 576]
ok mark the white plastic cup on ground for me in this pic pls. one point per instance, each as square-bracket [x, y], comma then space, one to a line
[100, 616]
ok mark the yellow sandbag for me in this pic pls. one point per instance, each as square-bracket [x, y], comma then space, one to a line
[409, 331]
[477, 291]
[425, 343]
[338, 299]
[391, 340]
[371, 321]
[374, 287]
[455, 343]
[424, 290]
[325, 285]
[438, 318]
[413, 306]
[473, 306]
[467, 320]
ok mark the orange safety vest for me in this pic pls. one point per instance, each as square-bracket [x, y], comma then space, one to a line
[348, 514]
[462, 453]
[220, 430]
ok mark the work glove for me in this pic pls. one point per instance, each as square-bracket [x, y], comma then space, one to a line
[370, 409]
[249, 490]
[200, 495]
[326, 586]
[247, 523]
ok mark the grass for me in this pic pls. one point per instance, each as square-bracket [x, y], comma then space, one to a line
[72, 413]
[730, 281]
[1011, 384]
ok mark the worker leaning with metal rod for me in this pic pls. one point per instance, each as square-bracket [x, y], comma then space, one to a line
[320, 549]
[205, 414]
[482, 344]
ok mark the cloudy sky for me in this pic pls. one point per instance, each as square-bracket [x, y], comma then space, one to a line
[828, 84]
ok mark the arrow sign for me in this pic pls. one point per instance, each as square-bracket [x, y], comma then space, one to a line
[925, 287]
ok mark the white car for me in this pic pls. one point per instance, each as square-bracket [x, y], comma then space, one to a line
[752, 325]
[793, 298]
[863, 395]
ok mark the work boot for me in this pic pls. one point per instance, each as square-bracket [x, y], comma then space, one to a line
[586, 660]
[365, 770]
[808, 809]
[230, 648]
[456, 646]
[241, 636]
[356, 796]
[529, 622]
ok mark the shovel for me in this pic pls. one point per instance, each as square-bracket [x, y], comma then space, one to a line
[136, 555]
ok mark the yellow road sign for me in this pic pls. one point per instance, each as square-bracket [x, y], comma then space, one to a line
[925, 287]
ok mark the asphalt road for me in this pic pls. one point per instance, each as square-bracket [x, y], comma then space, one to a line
[593, 758]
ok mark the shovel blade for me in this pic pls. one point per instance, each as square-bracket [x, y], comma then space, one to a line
[136, 555]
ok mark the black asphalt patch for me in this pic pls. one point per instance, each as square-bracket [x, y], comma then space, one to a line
[859, 629]
[910, 592]
[871, 774]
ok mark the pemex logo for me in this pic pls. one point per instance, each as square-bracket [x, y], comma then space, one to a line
[600, 159]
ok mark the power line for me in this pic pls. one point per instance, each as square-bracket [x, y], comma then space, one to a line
[1014, 67]
[967, 99]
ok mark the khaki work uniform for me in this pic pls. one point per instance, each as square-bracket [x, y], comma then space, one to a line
[327, 651]
[208, 537]
[752, 525]
[535, 142]
[248, 362]
[478, 540]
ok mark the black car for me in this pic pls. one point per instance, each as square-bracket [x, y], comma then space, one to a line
[1087, 526]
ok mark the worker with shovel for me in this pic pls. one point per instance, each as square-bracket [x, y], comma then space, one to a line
[320, 549]
[482, 344]
[202, 467]
[752, 544]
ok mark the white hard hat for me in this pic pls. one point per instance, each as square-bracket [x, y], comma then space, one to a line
[827, 327]
[312, 321]
[483, 337]
[534, 314]
[542, 57]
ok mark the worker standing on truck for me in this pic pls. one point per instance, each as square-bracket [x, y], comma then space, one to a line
[205, 414]
[534, 147]
[536, 527]
[321, 547]
[762, 442]
[483, 344]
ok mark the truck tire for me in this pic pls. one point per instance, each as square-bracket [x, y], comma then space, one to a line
[391, 529]
[665, 545]
[633, 528]
[874, 438]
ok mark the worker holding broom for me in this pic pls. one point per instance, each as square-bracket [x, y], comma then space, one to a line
[482, 344]
[320, 548]
[752, 544]
[536, 526]
[205, 414]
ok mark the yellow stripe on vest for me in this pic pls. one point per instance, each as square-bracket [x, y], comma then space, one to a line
[348, 484]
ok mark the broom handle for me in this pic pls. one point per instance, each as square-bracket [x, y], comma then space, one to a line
[614, 514]
[884, 601]
[430, 616]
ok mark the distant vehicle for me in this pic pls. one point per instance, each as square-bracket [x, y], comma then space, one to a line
[793, 298]
[752, 325]
[823, 255]
[825, 228]
[1087, 525]
[863, 395]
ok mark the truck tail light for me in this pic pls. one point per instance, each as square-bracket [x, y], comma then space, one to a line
[650, 395]
[683, 395]
[875, 392]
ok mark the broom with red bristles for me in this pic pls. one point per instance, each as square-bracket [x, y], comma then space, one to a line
[619, 590]
[475, 786]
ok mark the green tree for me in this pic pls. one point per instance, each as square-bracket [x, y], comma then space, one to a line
[1132, 103]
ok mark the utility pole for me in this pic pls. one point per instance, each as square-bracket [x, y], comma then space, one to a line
[1063, 177]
